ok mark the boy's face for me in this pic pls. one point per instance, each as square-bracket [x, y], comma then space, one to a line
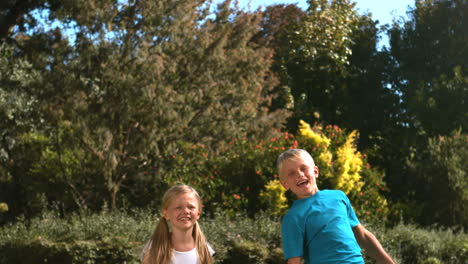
[299, 175]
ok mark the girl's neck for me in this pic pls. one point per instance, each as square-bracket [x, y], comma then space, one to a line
[182, 240]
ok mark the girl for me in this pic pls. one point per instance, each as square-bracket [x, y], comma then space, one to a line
[178, 237]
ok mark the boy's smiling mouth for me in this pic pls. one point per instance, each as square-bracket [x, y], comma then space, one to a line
[302, 183]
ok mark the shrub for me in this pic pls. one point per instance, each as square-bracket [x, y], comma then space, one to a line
[119, 238]
[224, 232]
[274, 196]
[89, 252]
[416, 245]
[245, 251]
[441, 183]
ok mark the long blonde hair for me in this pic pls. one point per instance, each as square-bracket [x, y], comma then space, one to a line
[161, 248]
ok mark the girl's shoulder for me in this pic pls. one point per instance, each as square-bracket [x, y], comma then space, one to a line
[145, 250]
[212, 252]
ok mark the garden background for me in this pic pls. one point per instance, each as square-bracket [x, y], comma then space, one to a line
[104, 104]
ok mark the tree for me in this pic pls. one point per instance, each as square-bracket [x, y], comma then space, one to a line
[330, 68]
[431, 54]
[278, 21]
[442, 171]
[143, 78]
[317, 58]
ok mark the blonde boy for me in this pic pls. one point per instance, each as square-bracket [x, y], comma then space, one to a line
[321, 226]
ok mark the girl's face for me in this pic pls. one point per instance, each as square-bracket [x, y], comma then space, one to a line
[183, 212]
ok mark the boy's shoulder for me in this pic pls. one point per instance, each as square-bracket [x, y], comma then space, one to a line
[331, 193]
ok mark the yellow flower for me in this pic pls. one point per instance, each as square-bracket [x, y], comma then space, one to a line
[274, 196]
[3, 207]
[349, 164]
[306, 131]
[325, 157]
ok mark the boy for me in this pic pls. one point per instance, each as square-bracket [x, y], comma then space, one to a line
[321, 226]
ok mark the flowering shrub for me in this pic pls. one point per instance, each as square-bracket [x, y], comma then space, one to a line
[241, 175]
[274, 196]
[246, 166]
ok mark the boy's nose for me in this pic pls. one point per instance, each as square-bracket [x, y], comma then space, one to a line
[299, 174]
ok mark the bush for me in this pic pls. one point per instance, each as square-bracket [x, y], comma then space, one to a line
[119, 238]
[245, 251]
[416, 245]
[234, 235]
[440, 173]
[89, 252]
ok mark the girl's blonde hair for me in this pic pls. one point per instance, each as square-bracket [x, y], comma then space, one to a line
[161, 248]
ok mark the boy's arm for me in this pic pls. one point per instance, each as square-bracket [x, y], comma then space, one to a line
[372, 246]
[295, 260]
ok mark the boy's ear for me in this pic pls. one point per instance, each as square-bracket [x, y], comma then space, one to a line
[316, 171]
[284, 184]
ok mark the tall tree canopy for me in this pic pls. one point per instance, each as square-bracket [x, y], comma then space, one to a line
[124, 84]
[431, 53]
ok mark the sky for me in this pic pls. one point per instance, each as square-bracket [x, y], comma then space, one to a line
[382, 10]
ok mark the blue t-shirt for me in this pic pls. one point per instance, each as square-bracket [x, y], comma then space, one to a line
[319, 229]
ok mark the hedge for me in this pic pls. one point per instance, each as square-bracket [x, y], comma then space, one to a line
[119, 237]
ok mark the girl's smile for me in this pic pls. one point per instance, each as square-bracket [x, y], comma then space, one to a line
[183, 212]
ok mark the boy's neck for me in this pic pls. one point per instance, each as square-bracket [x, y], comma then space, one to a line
[308, 195]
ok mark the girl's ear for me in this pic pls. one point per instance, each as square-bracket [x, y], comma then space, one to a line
[164, 214]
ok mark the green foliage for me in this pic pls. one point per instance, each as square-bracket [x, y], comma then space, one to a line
[442, 170]
[247, 252]
[138, 83]
[314, 57]
[97, 238]
[431, 260]
[119, 238]
[232, 178]
[149, 93]
[433, 39]
[42, 251]
[342, 82]
[415, 245]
